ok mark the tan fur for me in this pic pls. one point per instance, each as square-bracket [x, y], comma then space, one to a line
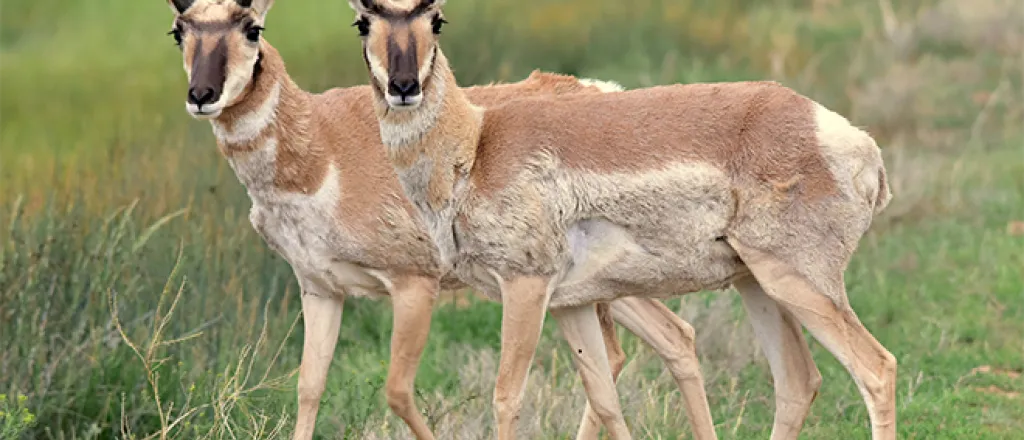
[309, 129]
[796, 377]
[651, 192]
[580, 326]
[327, 200]
[675, 341]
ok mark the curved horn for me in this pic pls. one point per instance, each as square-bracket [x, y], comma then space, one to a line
[360, 6]
[429, 3]
[180, 6]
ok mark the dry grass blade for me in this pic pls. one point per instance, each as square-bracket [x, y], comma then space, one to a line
[150, 362]
[144, 237]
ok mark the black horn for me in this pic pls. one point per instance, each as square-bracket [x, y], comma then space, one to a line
[182, 5]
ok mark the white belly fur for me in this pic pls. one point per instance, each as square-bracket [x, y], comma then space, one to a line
[654, 234]
[594, 244]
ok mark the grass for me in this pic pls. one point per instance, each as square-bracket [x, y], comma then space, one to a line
[136, 302]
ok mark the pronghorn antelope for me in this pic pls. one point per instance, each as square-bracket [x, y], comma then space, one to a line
[326, 199]
[565, 201]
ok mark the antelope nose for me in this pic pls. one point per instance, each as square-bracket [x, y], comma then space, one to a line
[201, 95]
[404, 87]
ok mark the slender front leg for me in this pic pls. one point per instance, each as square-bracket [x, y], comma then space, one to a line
[582, 330]
[524, 304]
[673, 339]
[413, 302]
[321, 316]
[590, 425]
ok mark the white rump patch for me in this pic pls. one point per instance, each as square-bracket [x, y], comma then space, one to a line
[836, 134]
[851, 154]
[604, 86]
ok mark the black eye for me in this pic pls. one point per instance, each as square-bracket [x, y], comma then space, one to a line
[176, 34]
[438, 21]
[253, 33]
[363, 25]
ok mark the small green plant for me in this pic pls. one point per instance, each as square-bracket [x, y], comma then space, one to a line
[15, 417]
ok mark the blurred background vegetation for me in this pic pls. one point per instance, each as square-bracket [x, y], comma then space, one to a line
[112, 199]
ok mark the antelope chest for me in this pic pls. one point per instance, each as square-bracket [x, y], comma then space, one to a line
[304, 231]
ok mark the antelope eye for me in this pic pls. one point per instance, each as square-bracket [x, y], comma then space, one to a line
[437, 23]
[363, 25]
[253, 33]
[176, 34]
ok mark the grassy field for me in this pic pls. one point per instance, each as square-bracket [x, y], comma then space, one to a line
[136, 301]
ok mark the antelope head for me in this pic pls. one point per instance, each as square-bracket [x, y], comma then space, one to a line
[399, 46]
[220, 43]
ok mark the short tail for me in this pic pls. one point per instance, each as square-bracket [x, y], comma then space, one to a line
[872, 184]
[884, 194]
[604, 86]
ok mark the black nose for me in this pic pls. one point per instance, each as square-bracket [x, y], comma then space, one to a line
[403, 87]
[201, 95]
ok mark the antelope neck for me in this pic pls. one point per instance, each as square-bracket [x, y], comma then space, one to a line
[273, 119]
[432, 147]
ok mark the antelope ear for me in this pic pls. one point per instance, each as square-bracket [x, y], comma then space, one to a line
[260, 6]
[360, 6]
[180, 6]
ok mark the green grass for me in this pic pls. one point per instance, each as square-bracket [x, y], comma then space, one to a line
[114, 200]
